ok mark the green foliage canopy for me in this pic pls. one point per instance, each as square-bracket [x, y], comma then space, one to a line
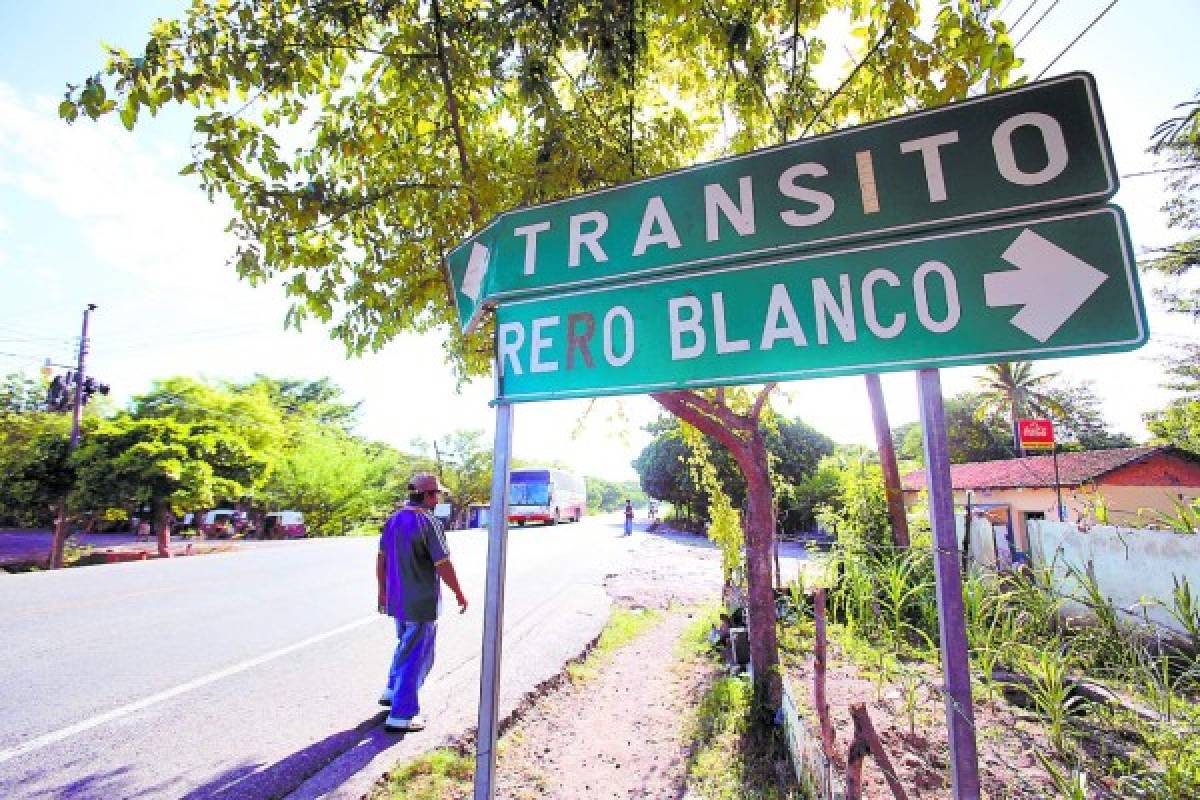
[1178, 140]
[1179, 422]
[416, 121]
[608, 495]
[664, 466]
[979, 429]
[34, 471]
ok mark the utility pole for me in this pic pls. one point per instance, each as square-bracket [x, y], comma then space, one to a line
[58, 545]
[79, 377]
[887, 460]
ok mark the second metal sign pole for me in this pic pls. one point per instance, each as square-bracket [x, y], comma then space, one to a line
[493, 612]
[956, 667]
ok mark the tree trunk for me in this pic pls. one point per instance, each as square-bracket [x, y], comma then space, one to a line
[887, 460]
[1014, 414]
[58, 543]
[760, 547]
[742, 436]
[162, 524]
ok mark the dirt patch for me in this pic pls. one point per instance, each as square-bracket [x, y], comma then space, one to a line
[669, 568]
[620, 734]
[909, 715]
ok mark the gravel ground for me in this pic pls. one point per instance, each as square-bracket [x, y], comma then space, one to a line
[621, 734]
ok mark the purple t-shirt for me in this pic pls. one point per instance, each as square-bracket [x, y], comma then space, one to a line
[413, 544]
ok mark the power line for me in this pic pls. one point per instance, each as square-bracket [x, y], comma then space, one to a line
[1181, 168]
[213, 335]
[1035, 25]
[874, 48]
[1028, 8]
[1082, 33]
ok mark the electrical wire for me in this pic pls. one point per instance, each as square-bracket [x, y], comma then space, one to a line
[1028, 8]
[157, 343]
[1074, 41]
[883, 37]
[1035, 25]
[1182, 168]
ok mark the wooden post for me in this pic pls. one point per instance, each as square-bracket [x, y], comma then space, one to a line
[819, 666]
[866, 731]
[854, 758]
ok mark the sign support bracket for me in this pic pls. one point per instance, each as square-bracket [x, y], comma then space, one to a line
[493, 613]
[956, 673]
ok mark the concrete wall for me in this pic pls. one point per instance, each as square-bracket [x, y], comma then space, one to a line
[1132, 567]
[984, 542]
[1123, 501]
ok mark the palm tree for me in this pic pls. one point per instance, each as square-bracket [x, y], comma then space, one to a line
[1011, 388]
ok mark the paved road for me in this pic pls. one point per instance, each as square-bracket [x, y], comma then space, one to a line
[33, 546]
[246, 674]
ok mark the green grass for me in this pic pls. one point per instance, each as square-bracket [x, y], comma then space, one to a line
[623, 626]
[693, 642]
[442, 774]
[816, 571]
[730, 761]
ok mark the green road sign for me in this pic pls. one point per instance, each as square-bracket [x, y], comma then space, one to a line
[1046, 287]
[1029, 150]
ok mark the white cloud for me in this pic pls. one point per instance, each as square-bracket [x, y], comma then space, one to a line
[152, 253]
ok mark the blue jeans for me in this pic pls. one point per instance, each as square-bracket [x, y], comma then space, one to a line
[410, 665]
[629, 526]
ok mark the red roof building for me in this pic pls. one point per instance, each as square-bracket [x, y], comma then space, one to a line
[1122, 486]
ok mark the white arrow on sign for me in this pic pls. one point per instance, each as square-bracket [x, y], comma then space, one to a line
[477, 266]
[1048, 281]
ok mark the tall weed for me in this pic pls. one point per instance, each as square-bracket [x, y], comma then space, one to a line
[1051, 695]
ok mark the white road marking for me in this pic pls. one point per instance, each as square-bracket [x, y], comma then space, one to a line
[138, 705]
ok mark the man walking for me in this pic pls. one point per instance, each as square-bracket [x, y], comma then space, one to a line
[628, 518]
[412, 563]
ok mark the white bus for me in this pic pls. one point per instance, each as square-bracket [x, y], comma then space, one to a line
[545, 494]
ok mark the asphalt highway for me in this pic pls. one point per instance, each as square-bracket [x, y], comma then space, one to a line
[255, 674]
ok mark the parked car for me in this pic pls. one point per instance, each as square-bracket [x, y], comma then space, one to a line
[284, 525]
[223, 523]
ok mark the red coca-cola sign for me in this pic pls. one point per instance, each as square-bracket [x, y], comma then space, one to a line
[1036, 434]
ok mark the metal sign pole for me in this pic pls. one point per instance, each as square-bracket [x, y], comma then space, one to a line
[960, 715]
[493, 612]
[1062, 517]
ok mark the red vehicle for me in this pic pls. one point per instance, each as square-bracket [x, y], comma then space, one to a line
[222, 523]
[284, 525]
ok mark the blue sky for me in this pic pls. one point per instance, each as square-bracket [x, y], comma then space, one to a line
[90, 213]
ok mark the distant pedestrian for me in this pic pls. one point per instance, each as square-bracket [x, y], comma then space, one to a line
[143, 530]
[412, 563]
[628, 518]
